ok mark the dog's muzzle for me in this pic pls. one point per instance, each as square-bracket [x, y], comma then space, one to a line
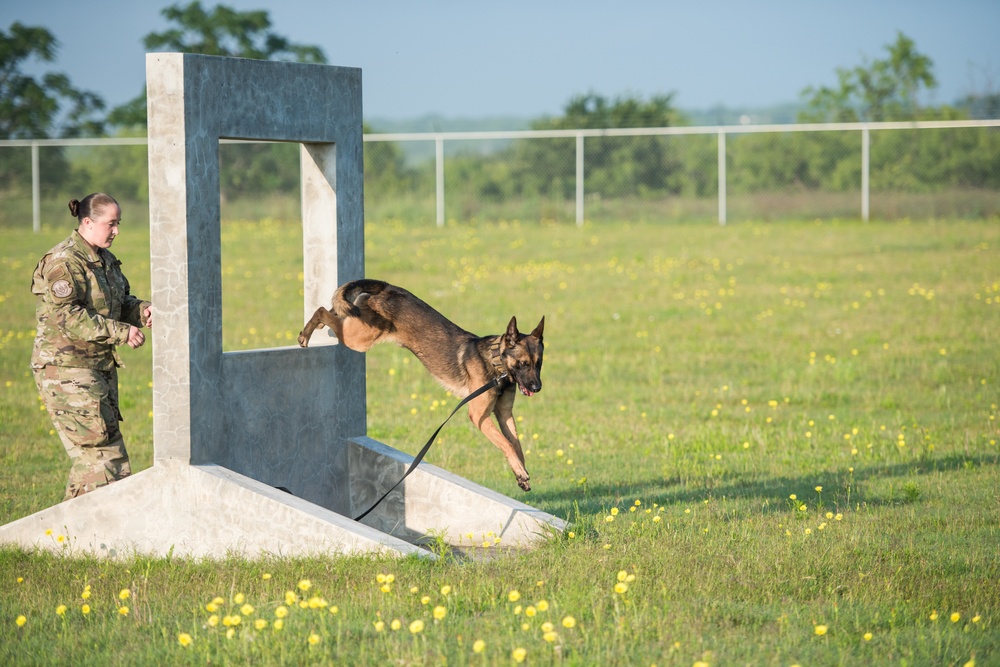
[534, 389]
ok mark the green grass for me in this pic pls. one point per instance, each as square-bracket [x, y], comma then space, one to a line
[708, 373]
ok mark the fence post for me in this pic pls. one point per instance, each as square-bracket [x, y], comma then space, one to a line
[865, 173]
[722, 177]
[439, 177]
[36, 190]
[579, 179]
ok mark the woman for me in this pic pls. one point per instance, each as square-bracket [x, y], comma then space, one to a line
[84, 311]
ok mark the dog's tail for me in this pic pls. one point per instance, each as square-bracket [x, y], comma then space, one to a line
[349, 298]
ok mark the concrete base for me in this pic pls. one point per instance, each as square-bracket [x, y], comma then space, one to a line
[210, 511]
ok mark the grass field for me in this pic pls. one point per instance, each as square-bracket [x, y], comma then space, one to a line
[777, 444]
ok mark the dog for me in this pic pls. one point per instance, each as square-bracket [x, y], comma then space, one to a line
[367, 312]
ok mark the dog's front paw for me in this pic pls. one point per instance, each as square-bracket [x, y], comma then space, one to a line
[522, 481]
[303, 339]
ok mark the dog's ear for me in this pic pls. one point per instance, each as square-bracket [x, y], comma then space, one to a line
[512, 335]
[537, 331]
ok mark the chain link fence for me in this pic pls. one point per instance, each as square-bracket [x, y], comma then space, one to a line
[728, 174]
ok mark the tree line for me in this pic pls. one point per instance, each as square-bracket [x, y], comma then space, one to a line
[887, 88]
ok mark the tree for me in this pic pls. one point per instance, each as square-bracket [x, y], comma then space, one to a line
[879, 90]
[39, 108]
[248, 170]
[31, 108]
[592, 111]
[981, 105]
[615, 165]
[221, 31]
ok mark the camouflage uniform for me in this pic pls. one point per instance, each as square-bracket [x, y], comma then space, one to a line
[84, 311]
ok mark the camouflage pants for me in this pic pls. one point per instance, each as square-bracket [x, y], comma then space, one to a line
[83, 405]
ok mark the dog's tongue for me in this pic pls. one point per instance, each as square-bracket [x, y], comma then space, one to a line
[526, 392]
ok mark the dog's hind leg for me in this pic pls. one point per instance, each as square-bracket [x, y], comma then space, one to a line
[480, 411]
[322, 317]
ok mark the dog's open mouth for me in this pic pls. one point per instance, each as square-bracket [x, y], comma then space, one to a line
[525, 390]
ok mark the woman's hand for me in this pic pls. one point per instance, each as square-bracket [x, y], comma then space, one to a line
[135, 337]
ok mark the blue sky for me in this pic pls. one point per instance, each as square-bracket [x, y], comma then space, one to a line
[526, 59]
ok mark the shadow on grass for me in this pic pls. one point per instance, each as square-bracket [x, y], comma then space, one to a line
[771, 493]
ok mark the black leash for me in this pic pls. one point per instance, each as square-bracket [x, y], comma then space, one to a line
[419, 457]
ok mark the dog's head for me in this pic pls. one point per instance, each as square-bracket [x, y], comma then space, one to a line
[522, 357]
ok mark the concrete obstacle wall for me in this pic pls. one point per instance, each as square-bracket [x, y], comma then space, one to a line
[229, 427]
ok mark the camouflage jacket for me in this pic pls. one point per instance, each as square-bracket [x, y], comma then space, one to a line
[83, 306]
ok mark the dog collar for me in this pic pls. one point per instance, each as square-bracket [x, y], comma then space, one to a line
[496, 360]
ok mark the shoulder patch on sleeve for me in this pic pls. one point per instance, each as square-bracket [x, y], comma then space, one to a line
[59, 280]
[61, 288]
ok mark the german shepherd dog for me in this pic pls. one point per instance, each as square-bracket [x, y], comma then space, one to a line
[366, 312]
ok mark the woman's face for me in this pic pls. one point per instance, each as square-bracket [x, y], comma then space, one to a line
[100, 231]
